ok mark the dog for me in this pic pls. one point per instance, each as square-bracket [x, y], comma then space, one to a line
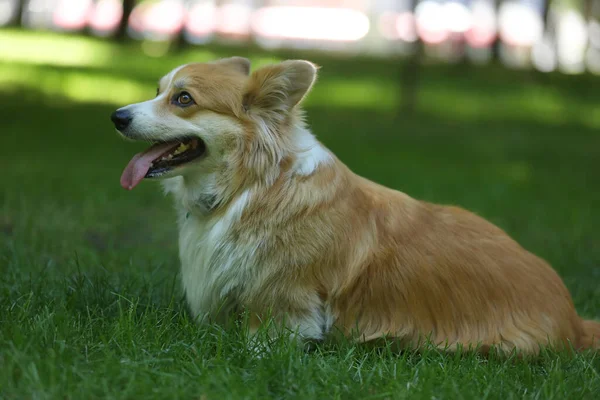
[271, 222]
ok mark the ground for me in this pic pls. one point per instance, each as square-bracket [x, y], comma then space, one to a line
[90, 302]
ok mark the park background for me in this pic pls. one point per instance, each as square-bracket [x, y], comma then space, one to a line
[490, 105]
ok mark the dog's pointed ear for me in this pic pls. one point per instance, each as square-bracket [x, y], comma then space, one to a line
[279, 86]
[240, 64]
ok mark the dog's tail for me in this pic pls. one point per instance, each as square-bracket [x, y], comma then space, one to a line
[590, 338]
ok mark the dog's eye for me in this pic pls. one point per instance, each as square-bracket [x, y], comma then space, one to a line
[184, 99]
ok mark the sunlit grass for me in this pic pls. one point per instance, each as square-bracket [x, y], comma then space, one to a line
[524, 104]
[99, 71]
[74, 85]
[37, 48]
[93, 87]
[90, 86]
[59, 50]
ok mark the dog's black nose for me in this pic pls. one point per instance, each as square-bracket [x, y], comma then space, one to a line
[121, 119]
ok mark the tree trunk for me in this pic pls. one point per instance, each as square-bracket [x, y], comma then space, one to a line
[128, 6]
[409, 81]
[18, 18]
[409, 77]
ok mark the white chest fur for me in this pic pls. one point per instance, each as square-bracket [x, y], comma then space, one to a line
[213, 265]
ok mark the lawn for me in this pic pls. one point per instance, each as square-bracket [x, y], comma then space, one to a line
[90, 301]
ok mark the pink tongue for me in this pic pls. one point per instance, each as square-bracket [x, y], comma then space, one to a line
[139, 165]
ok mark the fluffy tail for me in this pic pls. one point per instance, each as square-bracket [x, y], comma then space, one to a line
[590, 339]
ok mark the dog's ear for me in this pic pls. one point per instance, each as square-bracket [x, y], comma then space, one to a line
[240, 64]
[279, 87]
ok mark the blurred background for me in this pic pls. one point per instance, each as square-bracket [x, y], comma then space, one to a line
[546, 35]
[490, 105]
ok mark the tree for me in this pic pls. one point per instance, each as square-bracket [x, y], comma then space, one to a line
[128, 6]
[18, 15]
[409, 74]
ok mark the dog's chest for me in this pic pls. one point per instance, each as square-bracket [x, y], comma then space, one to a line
[216, 264]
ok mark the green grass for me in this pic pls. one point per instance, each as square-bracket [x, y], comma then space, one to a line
[90, 303]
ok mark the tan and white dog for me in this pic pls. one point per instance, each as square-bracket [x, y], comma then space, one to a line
[272, 222]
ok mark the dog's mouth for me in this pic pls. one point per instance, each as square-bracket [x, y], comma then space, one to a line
[161, 158]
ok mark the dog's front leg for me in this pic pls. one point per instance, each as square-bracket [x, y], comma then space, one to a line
[297, 326]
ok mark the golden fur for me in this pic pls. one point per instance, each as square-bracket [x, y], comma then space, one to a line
[271, 221]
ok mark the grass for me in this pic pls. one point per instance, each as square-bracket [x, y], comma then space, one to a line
[90, 303]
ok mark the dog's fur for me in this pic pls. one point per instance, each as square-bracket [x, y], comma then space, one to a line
[270, 220]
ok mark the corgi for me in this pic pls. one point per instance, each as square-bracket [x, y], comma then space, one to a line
[272, 222]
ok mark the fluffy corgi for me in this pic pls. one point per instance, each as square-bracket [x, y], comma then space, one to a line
[270, 221]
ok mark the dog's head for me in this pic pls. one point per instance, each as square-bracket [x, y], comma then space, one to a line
[215, 118]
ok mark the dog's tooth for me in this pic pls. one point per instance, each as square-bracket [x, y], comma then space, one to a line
[182, 147]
